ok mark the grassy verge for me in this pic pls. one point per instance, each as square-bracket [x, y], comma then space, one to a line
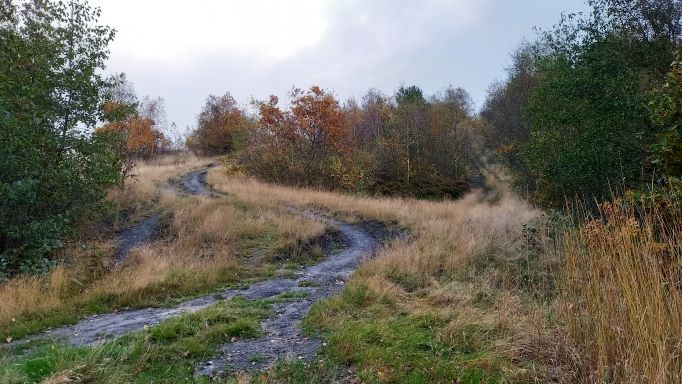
[371, 332]
[166, 353]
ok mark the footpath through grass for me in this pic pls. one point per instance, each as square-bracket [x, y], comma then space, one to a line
[165, 353]
[207, 244]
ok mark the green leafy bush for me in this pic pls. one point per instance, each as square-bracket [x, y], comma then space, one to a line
[52, 169]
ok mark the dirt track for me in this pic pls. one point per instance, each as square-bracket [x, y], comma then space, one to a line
[284, 337]
[194, 183]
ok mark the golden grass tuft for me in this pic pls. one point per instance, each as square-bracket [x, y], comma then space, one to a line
[31, 293]
[623, 296]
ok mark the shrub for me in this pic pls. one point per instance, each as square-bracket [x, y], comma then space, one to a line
[51, 170]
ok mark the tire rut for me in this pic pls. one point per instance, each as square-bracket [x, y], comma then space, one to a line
[284, 338]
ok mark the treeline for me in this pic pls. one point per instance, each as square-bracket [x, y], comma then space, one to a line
[406, 144]
[593, 107]
[588, 110]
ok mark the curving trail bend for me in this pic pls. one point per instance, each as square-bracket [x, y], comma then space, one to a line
[284, 337]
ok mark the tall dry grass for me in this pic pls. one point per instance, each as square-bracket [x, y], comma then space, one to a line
[430, 272]
[212, 241]
[151, 185]
[208, 242]
[623, 295]
[447, 233]
[33, 293]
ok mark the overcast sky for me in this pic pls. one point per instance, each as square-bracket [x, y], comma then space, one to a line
[185, 50]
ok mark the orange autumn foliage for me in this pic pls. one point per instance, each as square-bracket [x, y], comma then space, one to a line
[315, 118]
[141, 138]
[310, 143]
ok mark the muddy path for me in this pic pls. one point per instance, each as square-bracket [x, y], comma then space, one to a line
[283, 337]
[194, 183]
[146, 231]
[327, 278]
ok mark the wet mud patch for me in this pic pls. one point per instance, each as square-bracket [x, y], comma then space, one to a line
[383, 232]
[147, 231]
[194, 183]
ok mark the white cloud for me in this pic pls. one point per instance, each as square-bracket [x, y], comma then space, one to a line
[274, 30]
[182, 30]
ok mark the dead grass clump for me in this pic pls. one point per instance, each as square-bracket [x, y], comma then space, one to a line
[31, 293]
[41, 294]
[623, 296]
[209, 239]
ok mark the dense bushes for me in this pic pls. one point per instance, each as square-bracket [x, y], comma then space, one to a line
[51, 169]
[583, 88]
[666, 114]
[222, 127]
[589, 125]
[407, 145]
[309, 144]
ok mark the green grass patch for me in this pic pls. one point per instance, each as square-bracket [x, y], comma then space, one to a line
[288, 296]
[370, 333]
[307, 283]
[297, 372]
[166, 353]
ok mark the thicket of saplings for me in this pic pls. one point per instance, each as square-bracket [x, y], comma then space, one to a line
[407, 144]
